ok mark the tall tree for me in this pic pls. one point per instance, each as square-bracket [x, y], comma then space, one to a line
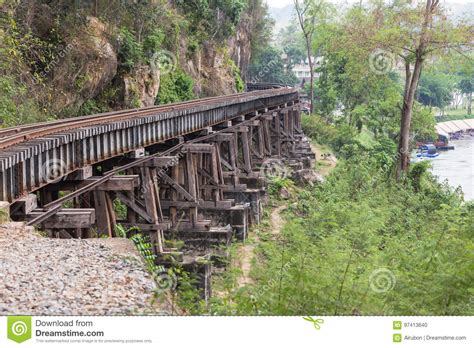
[436, 89]
[467, 87]
[306, 11]
[416, 32]
[424, 30]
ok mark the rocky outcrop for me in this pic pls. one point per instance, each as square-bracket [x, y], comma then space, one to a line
[88, 63]
[86, 66]
[210, 67]
[139, 88]
[240, 46]
[307, 177]
[211, 71]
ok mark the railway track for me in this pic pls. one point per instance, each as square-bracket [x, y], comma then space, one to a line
[36, 156]
[15, 135]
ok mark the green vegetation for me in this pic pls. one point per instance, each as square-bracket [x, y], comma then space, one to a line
[209, 19]
[130, 51]
[436, 90]
[268, 66]
[363, 243]
[15, 106]
[452, 115]
[54, 52]
[175, 86]
[239, 83]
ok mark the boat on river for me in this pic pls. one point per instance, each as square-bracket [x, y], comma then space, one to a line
[428, 151]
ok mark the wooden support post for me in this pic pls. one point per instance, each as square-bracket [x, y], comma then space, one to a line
[277, 130]
[151, 198]
[261, 140]
[267, 137]
[217, 172]
[174, 195]
[286, 130]
[131, 213]
[191, 171]
[105, 214]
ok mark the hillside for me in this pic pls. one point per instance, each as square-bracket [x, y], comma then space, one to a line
[96, 56]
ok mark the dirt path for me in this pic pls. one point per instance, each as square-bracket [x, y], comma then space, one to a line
[277, 221]
[247, 252]
[327, 161]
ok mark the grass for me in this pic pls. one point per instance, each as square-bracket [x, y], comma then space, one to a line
[452, 115]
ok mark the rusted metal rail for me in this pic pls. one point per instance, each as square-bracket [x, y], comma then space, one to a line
[14, 135]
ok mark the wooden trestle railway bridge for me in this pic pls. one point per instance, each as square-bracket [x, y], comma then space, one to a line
[193, 171]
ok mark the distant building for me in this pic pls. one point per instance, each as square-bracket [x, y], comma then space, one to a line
[302, 70]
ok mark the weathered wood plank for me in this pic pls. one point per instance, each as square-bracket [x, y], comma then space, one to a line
[65, 218]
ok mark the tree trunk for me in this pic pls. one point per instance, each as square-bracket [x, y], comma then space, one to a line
[308, 31]
[411, 85]
[311, 74]
[407, 112]
[469, 103]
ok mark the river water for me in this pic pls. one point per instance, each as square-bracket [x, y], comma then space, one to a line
[457, 166]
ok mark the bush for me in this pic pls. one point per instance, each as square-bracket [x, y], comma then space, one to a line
[15, 106]
[130, 52]
[357, 226]
[175, 87]
[342, 138]
[239, 83]
[153, 43]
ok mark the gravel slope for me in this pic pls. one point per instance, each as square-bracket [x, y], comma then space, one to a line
[42, 276]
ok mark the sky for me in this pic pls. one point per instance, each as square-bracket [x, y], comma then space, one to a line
[283, 3]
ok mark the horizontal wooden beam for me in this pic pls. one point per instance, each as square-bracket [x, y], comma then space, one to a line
[224, 204]
[162, 162]
[65, 218]
[116, 183]
[198, 148]
[200, 226]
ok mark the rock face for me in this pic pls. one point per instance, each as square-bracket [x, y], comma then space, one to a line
[307, 177]
[209, 68]
[241, 46]
[88, 64]
[139, 88]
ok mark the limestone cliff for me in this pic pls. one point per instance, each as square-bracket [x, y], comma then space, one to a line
[85, 61]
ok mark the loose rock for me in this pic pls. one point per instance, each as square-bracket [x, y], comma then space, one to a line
[43, 276]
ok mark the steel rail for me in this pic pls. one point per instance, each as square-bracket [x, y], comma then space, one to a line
[54, 207]
[33, 131]
[22, 128]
